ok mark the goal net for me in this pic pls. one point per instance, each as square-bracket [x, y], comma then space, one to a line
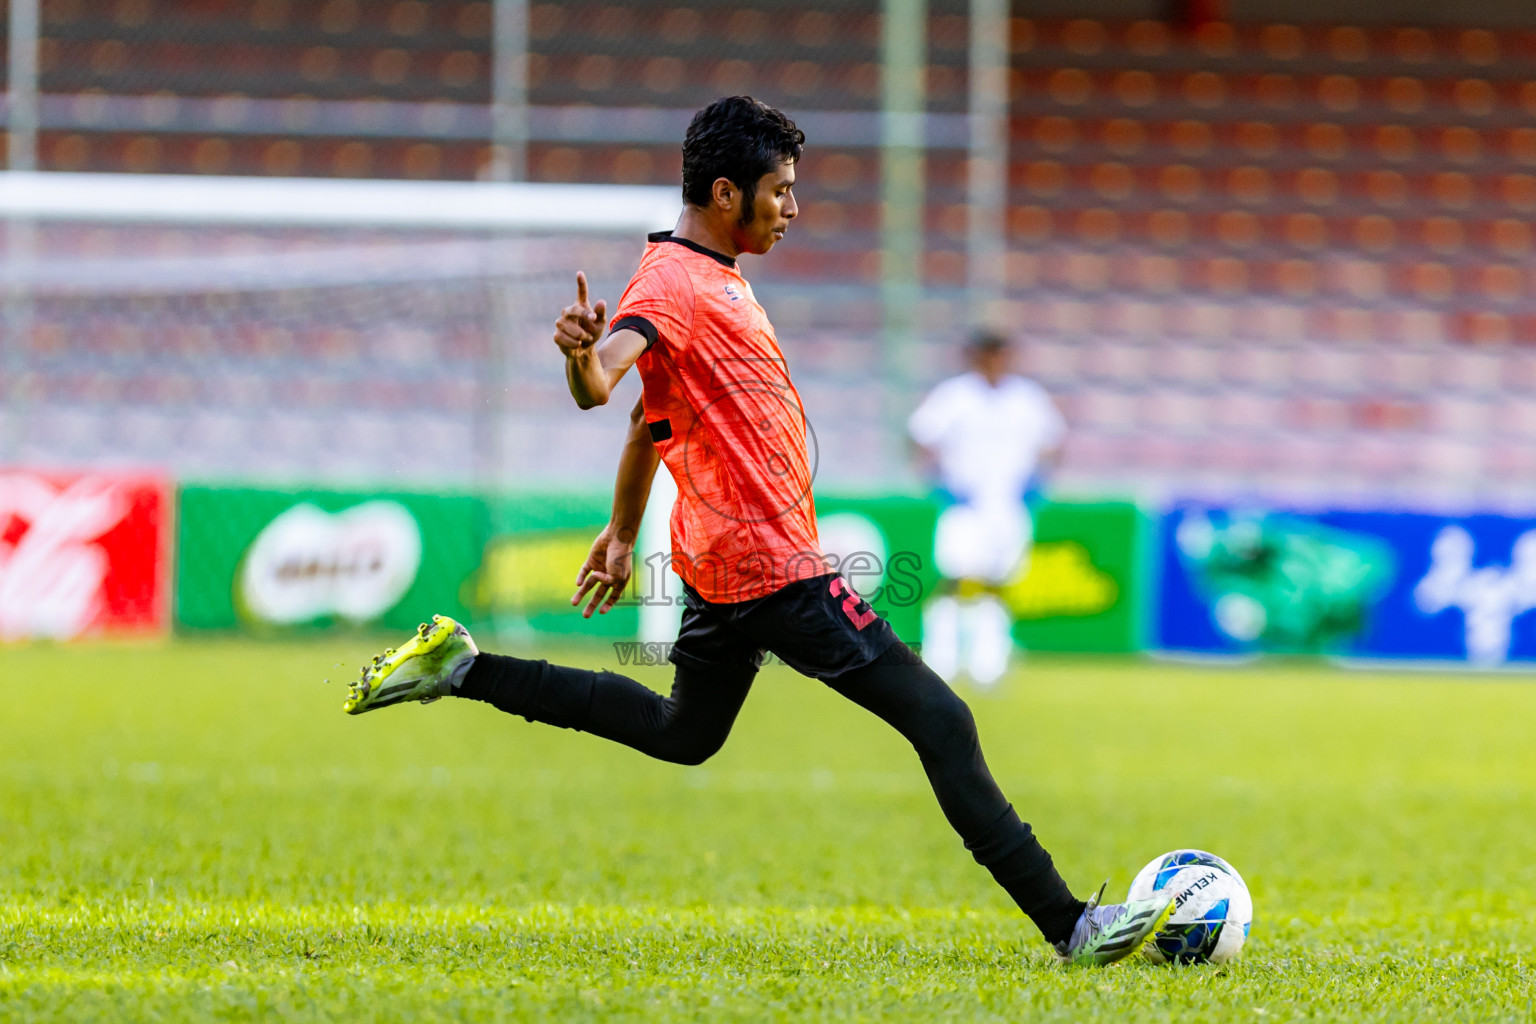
[306, 331]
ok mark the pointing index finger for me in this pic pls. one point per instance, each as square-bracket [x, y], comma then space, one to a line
[581, 288]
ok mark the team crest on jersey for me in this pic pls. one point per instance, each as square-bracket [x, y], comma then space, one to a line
[732, 291]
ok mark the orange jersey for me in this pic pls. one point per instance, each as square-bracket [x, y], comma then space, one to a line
[727, 421]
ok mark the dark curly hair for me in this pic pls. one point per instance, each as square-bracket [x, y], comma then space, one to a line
[740, 139]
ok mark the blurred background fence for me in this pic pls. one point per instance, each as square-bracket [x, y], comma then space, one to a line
[1263, 255]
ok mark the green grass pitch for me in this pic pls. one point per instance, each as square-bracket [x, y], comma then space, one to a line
[195, 831]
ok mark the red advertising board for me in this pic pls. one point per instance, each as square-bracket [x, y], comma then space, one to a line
[83, 554]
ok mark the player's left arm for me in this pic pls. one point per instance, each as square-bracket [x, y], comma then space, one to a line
[1055, 436]
[593, 363]
[606, 572]
[1048, 458]
[925, 427]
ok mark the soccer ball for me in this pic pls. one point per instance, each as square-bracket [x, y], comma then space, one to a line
[1212, 909]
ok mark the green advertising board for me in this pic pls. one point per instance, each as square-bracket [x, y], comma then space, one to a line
[273, 559]
[884, 547]
[525, 582]
[1085, 585]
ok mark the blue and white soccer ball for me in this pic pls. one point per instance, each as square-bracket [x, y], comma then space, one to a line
[1212, 909]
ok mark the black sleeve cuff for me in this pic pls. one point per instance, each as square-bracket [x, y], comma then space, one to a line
[639, 324]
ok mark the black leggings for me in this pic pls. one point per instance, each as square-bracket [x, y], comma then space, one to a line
[691, 725]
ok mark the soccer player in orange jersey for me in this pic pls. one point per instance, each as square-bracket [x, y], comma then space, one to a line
[719, 408]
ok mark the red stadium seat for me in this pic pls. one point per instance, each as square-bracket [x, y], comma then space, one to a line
[1443, 235]
[1394, 143]
[1180, 183]
[1433, 282]
[1478, 46]
[1485, 327]
[1306, 231]
[1348, 44]
[1216, 39]
[1226, 275]
[1030, 225]
[1510, 237]
[1338, 93]
[1502, 282]
[1147, 38]
[1404, 95]
[1056, 134]
[1045, 177]
[1276, 92]
[1462, 145]
[1168, 229]
[1475, 97]
[1296, 279]
[1021, 35]
[1453, 189]
[1071, 87]
[1519, 192]
[1098, 226]
[1282, 42]
[1239, 229]
[1520, 144]
[1205, 90]
[1257, 139]
[1317, 186]
[1375, 233]
[1413, 45]
[1113, 181]
[1250, 185]
[1158, 275]
[1191, 139]
[1135, 88]
[1124, 137]
[1386, 188]
[1084, 36]
[1326, 141]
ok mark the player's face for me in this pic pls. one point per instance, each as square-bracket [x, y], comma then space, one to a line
[773, 208]
[993, 363]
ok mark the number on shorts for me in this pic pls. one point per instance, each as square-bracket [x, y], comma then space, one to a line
[851, 604]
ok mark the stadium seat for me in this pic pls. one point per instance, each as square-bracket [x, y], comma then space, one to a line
[1348, 44]
[1413, 45]
[1395, 143]
[1204, 90]
[1147, 38]
[1404, 95]
[1282, 42]
[1339, 94]
[1326, 141]
[1519, 192]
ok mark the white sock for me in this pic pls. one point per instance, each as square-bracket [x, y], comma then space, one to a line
[991, 642]
[941, 637]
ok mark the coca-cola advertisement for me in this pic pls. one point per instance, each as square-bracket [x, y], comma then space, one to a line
[83, 554]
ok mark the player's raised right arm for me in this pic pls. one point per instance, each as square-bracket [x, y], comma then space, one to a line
[593, 364]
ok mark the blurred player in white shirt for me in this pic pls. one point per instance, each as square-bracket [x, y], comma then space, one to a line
[986, 433]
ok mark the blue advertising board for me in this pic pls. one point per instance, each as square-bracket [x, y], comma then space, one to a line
[1364, 584]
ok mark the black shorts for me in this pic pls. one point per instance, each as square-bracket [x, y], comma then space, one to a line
[817, 626]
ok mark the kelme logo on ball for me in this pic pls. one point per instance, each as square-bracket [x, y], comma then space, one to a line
[308, 563]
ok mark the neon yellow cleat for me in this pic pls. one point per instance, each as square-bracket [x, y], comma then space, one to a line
[425, 668]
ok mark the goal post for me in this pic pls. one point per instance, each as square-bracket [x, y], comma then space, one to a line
[218, 326]
[337, 202]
